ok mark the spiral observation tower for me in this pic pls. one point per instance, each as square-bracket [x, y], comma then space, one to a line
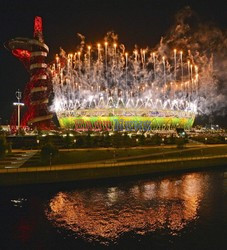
[33, 52]
[103, 87]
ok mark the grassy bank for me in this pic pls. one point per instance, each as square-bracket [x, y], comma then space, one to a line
[190, 152]
[126, 154]
[98, 163]
[93, 155]
[51, 175]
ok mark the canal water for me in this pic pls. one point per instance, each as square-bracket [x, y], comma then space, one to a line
[180, 211]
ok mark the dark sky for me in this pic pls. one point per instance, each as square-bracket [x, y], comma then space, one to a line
[140, 22]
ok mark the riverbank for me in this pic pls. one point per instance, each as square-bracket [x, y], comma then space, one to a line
[108, 155]
[137, 165]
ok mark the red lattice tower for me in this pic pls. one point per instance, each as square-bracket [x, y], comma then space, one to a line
[33, 53]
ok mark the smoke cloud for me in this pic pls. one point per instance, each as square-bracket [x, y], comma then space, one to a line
[184, 72]
[207, 47]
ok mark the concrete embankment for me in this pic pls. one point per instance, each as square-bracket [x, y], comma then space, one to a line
[77, 172]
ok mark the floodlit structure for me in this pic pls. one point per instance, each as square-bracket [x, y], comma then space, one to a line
[33, 52]
[103, 87]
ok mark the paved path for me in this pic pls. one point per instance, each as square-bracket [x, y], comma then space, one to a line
[16, 163]
[102, 165]
[18, 159]
[186, 149]
[188, 145]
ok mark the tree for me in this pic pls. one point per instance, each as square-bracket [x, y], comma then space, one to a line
[142, 139]
[3, 146]
[180, 142]
[80, 141]
[116, 139]
[171, 140]
[1, 130]
[126, 139]
[156, 139]
[106, 139]
[48, 152]
[68, 141]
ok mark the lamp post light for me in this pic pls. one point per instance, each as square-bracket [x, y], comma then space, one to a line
[50, 160]
[114, 155]
[163, 140]
[18, 104]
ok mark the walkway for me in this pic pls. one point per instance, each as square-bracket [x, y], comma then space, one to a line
[166, 153]
[16, 159]
[105, 165]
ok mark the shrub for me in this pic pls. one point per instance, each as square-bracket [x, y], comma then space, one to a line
[89, 140]
[171, 140]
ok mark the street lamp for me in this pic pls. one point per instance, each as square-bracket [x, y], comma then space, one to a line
[163, 140]
[51, 160]
[18, 104]
[114, 154]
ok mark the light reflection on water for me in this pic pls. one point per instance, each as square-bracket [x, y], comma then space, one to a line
[105, 214]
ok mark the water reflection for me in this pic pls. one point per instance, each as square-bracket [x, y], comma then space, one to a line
[18, 202]
[105, 214]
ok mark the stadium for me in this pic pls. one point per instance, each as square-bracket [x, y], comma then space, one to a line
[103, 87]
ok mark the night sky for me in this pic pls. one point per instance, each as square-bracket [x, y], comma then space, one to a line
[140, 22]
